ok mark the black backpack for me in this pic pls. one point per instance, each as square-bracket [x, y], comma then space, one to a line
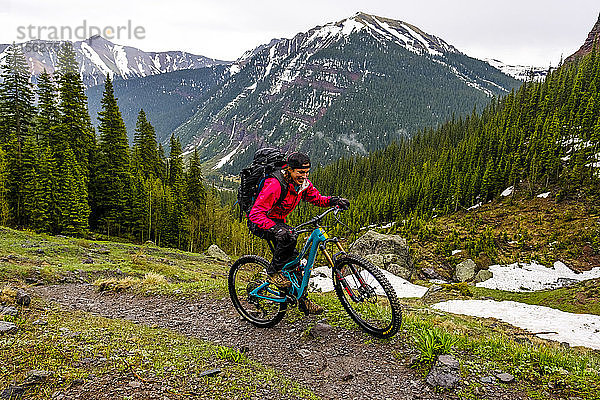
[267, 163]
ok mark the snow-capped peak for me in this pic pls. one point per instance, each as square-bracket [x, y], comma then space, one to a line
[404, 34]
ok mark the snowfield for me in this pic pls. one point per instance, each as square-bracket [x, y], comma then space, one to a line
[321, 281]
[575, 329]
[521, 277]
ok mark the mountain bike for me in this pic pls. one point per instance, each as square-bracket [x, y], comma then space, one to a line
[364, 291]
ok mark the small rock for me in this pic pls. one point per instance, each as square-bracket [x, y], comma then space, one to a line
[211, 372]
[10, 311]
[445, 373]
[505, 377]
[321, 329]
[13, 392]
[347, 377]
[135, 384]
[22, 299]
[483, 275]
[486, 379]
[39, 322]
[7, 327]
[35, 377]
[430, 273]
[304, 353]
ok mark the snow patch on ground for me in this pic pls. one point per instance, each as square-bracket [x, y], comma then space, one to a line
[575, 329]
[321, 281]
[522, 277]
[475, 206]
[508, 191]
[227, 157]
[543, 195]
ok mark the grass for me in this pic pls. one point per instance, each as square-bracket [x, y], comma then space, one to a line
[146, 269]
[483, 346]
[508, 231]
[77, 348]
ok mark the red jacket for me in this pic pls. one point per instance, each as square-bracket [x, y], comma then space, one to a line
[263, 210]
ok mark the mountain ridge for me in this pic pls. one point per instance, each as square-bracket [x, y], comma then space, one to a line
[284, 90]
[98, 57]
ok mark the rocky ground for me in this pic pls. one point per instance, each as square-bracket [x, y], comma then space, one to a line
[334, 363]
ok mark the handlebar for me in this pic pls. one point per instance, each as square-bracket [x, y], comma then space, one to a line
[319, 217]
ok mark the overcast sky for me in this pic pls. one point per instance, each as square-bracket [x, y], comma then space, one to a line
[527, 32]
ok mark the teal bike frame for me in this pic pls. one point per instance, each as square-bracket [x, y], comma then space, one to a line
[317, 239]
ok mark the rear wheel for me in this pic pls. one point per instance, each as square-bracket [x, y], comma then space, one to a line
[245, 275]
[367, 296]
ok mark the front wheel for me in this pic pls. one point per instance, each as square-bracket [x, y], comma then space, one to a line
[245, 275]
[367, 296]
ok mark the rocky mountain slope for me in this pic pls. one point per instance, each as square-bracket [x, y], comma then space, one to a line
[343, 88]
[520, 72]
[588, 45]
[98, 57]
[168, 99]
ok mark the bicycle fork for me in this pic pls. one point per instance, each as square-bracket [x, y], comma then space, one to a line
[356, 297]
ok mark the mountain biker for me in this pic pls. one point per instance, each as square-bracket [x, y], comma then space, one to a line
[268, 221]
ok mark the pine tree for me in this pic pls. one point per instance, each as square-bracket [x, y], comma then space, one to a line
[16, 97]
[30, 180]
[47, 121]
[45, 213]
[174, 231]
[75, 124]
[196, 203]
[72, 200]
[4, 206]
[145, 147]
[16, 118]
[113, 179]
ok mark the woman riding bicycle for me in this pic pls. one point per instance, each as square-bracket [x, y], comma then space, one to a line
[267, 219]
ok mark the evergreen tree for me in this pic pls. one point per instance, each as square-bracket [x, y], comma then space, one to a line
[174, 232]
[16, 97]
[196, 203]
[73, 204]
[16, 118]
[145, 147]
[48, 118]
[76, 129]
[4, 206]
[113, 178]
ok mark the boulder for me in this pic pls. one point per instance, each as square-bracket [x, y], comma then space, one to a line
[483, 275]
[445, 373]
[390, 252]
[465, 271]
[7, 327]
[215, 252]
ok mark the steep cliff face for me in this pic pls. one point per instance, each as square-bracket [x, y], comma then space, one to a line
[588, 45]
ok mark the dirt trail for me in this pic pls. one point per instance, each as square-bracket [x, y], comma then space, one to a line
[337, 364]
